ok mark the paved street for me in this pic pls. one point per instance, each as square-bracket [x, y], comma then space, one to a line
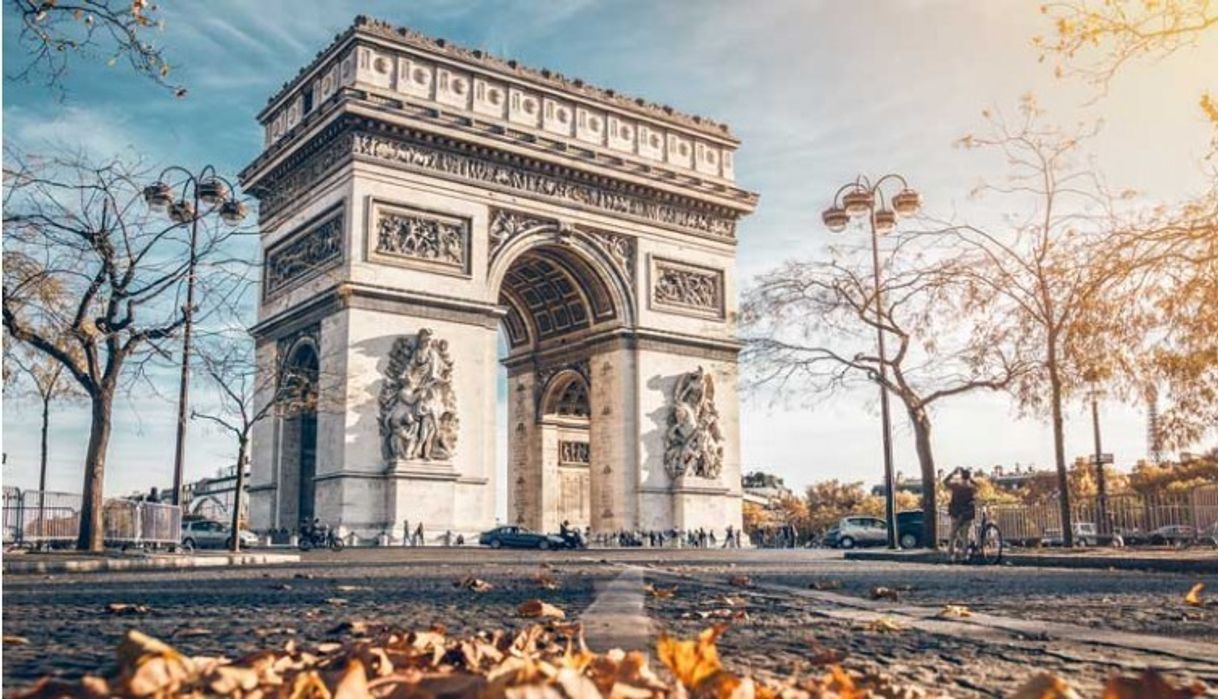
[1081, 624]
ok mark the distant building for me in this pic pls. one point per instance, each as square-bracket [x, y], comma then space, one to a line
[210, 497]
[904, 485]
[764, 489]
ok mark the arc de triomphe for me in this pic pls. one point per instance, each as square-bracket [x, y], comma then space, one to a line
[417, 199]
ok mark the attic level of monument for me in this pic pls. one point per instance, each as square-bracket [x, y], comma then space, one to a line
[398, 76]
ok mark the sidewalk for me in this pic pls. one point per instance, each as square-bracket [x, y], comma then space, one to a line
[1185, 561]
[75, 562]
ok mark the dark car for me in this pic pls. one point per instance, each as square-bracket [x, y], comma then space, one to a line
[909, 528]
[514, 536]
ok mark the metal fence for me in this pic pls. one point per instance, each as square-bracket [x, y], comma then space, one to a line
[50, 519]
[1128, 514]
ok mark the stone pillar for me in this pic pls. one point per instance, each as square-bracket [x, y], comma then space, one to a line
[613, 439]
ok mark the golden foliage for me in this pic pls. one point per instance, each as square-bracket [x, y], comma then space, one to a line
[1193, 597]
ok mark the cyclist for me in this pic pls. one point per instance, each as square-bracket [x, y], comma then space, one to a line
[962, 509]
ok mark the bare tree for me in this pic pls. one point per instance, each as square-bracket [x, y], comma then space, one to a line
[43, 378]
[247, 394]
[55, 31]
[1046, 269]
[83, 228]
[812, 325]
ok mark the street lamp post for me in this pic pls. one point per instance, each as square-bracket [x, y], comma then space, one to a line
[856, 199]
[201, 195]
[1101, 482]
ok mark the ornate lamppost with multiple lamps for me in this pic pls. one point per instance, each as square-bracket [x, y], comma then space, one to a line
[198, 195]
[852, 201]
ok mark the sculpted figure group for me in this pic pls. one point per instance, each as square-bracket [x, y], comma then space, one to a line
[693, 442]
[418, 404]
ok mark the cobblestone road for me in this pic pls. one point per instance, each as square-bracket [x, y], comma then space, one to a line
[230, 611]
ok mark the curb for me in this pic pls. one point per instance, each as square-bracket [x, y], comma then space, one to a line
[1160, 565]
[169, 562]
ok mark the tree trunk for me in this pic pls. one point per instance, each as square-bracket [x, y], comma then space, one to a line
[91, 533]
[1059, 447]
[926, 461]
[42, 466]
[242, 449]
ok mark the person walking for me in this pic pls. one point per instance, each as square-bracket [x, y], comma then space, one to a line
[418, 535]
[961, 508]
[406, 532]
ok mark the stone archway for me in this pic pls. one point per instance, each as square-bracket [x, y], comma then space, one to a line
[416, 199]
[296, 500]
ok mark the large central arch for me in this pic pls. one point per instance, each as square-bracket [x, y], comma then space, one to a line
[417, 198]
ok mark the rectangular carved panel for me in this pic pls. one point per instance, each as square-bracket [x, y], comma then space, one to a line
[413, 237]
[303, 253]
[686, 288]
[574, 453]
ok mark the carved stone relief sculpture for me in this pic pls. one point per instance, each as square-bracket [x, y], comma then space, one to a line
[303, 255]
[693, 443]
[417, 236]
[418, 404]
[688, 288]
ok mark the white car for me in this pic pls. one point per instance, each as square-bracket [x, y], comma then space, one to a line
[209, 534]
[857, 531]
[1085, 534]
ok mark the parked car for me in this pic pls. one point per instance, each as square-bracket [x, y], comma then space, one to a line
[514, 536]
[857, 531]
[1085, 534]
[909, 529]
[1131, 536]
[1172, 534]
[209, 534]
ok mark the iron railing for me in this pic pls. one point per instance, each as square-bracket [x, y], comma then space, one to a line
[45, 519]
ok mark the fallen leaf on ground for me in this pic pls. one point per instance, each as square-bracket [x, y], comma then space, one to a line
[122, 608]
[355, 628]
[740, 581]
[692, 662]
[825, 656]
[958, 611]
[336, 601]
[1045, 686]
[535, 608]
[660, 592]
[545, 581]
[887, 593]
[351, 588]
[474, 584]
[149, 667]
[303, 576]
[884, 624]
[1193, 597]
[1149, 685]
[825, 585]
[16, 641]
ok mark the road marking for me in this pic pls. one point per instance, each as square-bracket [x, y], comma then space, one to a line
[616, 618]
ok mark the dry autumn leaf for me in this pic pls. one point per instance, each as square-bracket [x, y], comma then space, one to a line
[887, 593]
[1193, 597]
[1149, 685]
[660, 592]
[535, 609]
[825, 585]
[1045, 686]
[740, 581]
[473, 584]
[692, 662]
[545, 581]
[957, 611]
[16, 641]
[884, 624]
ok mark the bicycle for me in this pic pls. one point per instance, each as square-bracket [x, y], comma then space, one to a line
[986, 544]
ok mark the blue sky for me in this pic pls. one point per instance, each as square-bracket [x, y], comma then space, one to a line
[818, 91]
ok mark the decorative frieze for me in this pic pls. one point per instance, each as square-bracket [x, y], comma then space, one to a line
[687, 288]
[410, 236]
[621, 248]
[415, 156]
[418, 419]
[693, 444]
[506, 225]
[304, 253]
[574, 453]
